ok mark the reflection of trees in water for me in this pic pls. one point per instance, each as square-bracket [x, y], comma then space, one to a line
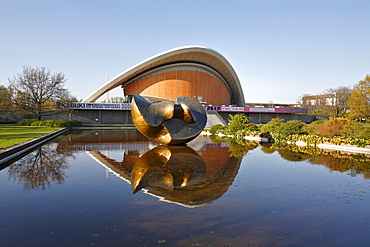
[237, 147]
[353, 164]
[216, 139]
[293, 156]
[268, 148]
[287, 152]
[41, 168]
[241, 149]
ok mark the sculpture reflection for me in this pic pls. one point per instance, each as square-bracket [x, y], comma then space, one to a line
[168, 167]
[190, 176]
[177, 174]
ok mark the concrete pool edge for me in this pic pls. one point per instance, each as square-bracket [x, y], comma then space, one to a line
[13, 152]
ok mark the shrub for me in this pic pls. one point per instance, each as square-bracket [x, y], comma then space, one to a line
[75, 123]
[7, 122]
[273, 126]
[364, 134]
[237, 123]
[310, 128]
[60, 123]
[26, 122]
[50, 123]
[332, 127]
[354, 129]
[215, 129]
[251, 127]
[293, 127]
[37, 123]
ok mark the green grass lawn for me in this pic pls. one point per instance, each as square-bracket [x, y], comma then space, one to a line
[12, 134]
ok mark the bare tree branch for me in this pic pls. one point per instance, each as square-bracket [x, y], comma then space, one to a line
[38, 92]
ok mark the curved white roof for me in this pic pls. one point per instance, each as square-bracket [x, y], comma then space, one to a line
[186, 54]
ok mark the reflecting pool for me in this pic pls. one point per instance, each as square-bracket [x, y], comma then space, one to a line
[117, 188]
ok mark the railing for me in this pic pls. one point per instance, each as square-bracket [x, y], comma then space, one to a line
[127, 106]
[256, 109]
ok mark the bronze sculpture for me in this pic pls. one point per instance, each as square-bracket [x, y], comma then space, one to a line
[169, 122]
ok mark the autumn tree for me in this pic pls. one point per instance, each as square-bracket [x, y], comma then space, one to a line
[37, 91]
[359, 100]
[5, 98]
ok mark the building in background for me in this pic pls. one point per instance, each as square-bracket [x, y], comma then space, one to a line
[192, 71]
[334, 103]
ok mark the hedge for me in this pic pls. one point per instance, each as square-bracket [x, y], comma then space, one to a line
[50, 123]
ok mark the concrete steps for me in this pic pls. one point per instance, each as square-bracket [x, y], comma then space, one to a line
[214, 118]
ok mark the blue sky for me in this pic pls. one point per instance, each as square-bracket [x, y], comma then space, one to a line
[279, 49]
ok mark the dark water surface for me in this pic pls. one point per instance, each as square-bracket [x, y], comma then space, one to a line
[116, 188]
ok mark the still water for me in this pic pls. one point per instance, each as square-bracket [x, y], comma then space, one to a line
[116, 188]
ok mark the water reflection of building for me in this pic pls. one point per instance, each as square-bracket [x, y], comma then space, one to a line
[128, 141]
[210, 180]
